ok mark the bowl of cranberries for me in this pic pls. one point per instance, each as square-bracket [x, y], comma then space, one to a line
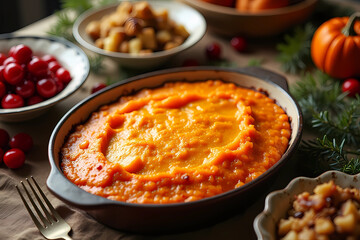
[36, 72]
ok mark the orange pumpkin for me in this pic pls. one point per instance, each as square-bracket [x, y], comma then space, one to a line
[256, 5]
[335, 47]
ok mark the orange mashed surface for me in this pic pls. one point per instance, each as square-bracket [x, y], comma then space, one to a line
[177, 143]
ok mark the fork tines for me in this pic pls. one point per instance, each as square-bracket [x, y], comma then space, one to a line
[47, 218]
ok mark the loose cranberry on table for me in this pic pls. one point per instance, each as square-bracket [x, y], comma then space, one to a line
[22, 141]
[4, 138]
[213, 51]
[238, 43]
[98, 87]
[14, 158]
[190, 63]
[352, 86]
[1, 154]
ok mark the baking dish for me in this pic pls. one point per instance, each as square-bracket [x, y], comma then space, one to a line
[161, 218]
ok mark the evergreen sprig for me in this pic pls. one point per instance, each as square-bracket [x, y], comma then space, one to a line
[79, 6]
[327, 154]
[96, 63]
[316, 92]
[345, 125]
[63, 26]
[255, 62]
[335, 119]
[294, 52]
[71, 9]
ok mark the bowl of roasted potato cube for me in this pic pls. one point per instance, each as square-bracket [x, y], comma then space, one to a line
[140, 34]
[325, 207]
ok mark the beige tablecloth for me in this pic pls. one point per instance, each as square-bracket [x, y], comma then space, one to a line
[15, 223]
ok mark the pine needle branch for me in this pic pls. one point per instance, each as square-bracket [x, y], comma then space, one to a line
[328, 155]
[63, 26]
[77, 5]
[317, 92]
[344, 126]
[294, 52]
[96, 63]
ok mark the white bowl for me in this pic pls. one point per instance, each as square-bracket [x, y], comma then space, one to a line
[193, 21]
[69, 55]
[279, 202]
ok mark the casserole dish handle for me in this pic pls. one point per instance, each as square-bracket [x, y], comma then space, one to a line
[268, 76]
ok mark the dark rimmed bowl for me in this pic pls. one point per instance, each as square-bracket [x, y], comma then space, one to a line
[161, 218]
[230, 22]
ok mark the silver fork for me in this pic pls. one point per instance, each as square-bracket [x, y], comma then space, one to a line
[52, 226]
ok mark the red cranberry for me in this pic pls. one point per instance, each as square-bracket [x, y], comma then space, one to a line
[26, 89]
[2, 89]
[352, 86]
[190, 63]
[13, 73]
[54, 66]
[63, 75]
[2, 58]
[12, 101]
[48, 58]
[9, 60]
[2, 79]
[14, 158]
[238, 43]
[46, 87]
[97, 87]
[34, 100]
[213, 51]
[4, 138]
[22, 141]
[38, 67]
[22, 54]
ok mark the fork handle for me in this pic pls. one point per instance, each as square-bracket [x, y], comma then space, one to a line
[66, 237]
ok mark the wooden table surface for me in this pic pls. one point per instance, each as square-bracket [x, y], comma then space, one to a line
[237, 227]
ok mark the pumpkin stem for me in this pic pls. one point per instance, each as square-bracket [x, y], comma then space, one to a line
[348, 30]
